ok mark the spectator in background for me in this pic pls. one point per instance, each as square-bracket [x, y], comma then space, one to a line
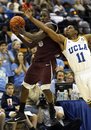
[4, 34]
[7, 60]
[14, 48]
[59, 78]
[3, 2]
[15, 4]
[10, 103]
[46, 5]
[9, 11]
[67, 6]
[34, 93]
[33, 51]
[45, 122]
[3, 16]
[80, 8]
[69, 78]
[19, 67]
[44, 118]
[60, 64]
[85, 2]
[59, 9]
[84, 27]
[68, 1]
[77, 21]
[30, 54]
[56, 16]
[3, 76]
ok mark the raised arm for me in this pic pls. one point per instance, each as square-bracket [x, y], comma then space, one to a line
[56, 37]
[33, 36]
[30, 44]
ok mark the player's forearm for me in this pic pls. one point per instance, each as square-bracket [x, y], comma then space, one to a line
[30, 36]
[27, 43]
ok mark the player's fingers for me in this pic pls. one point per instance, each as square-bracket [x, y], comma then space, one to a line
[16, 27]
[15, 30]
[28, 13]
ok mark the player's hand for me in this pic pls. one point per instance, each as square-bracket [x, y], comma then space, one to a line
[28, 13]
[16, 30]
[26, 6]
[21, 30]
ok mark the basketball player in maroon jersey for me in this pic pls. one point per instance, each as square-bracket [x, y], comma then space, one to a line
[42, 68]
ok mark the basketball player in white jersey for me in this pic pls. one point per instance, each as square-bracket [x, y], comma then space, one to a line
[76, 50]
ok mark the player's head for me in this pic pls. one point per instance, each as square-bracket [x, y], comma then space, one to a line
[52, 25]
[70, 31]
[44, 16]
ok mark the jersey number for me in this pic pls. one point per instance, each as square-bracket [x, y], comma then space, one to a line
[80, 57]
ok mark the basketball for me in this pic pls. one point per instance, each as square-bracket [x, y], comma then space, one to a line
[17, 21]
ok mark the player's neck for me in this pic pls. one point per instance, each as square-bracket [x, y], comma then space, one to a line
[74, 37]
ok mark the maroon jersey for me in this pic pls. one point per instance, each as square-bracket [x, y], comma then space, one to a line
[44, 62]
[46, 50]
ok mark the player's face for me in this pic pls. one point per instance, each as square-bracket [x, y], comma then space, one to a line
[44, 17]
[70, 31]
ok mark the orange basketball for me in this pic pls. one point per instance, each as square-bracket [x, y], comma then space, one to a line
[17, 21]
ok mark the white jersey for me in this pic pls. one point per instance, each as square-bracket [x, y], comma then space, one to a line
[78, 54]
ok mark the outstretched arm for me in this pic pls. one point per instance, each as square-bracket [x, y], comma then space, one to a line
[56, 37]
[33, 39]
[31, 44]
[33, 36]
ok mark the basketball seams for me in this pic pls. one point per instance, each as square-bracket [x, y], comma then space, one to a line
[17, 19]
[20, 19]
[22, 22]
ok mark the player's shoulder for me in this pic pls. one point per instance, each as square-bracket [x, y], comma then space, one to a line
[87, 36]
[52, 25]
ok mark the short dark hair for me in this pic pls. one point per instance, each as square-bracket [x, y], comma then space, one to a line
[9, 84]
[58, 72]
[3, 42]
